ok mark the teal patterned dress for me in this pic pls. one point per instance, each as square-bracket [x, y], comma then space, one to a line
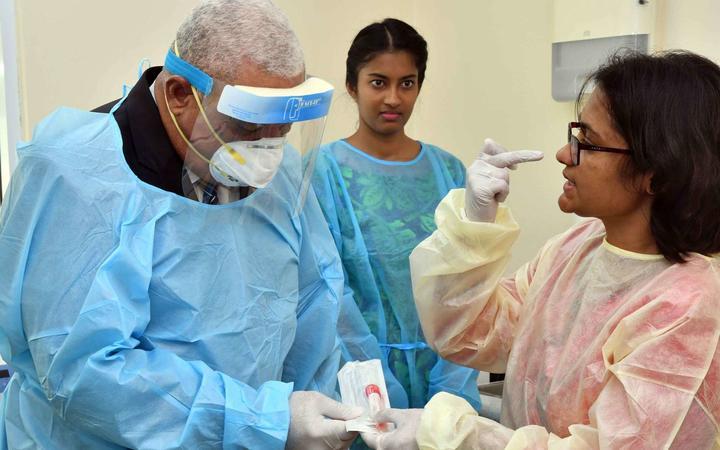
[378, 211]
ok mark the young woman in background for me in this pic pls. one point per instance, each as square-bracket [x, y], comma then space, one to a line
[378, 189]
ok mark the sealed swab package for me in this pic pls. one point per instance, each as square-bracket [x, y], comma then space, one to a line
[362, 384]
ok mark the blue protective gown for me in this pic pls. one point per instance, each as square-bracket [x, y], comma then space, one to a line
[134, 317]
[378, 211]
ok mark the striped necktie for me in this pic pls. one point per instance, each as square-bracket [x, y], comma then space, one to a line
[209, 193]
[209, 190]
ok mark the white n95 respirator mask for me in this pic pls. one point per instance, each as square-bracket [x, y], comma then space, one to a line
[247, 163]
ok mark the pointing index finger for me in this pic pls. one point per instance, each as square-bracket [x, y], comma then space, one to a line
[509, 159]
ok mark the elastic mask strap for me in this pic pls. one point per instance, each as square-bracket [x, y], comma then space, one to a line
[182, 135]
[189, 144]
[235, 155]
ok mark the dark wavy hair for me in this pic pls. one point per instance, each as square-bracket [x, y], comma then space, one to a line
[667, 108]
[387, 36]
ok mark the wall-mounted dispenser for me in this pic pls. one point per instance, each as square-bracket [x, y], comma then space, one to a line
[586, 32]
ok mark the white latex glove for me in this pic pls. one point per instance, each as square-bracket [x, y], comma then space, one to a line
[318, 422]
[406, 423]
[488, 179]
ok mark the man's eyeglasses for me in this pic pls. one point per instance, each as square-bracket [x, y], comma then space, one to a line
[576, 145]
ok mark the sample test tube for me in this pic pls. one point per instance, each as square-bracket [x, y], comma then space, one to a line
[375, 403]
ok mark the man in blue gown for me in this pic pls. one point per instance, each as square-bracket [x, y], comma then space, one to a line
[147, 304]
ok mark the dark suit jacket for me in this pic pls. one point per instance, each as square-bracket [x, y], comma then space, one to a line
[146, 145]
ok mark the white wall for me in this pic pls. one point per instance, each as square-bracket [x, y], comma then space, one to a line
[488, 72]
[79, 53]
[690, 24]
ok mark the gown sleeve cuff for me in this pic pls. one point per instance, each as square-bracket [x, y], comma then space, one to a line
[453, 223]
[449, 421]
[256, 418]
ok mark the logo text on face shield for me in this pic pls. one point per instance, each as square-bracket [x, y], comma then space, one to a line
[295, 105]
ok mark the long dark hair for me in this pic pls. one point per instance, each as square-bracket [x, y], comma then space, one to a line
[380, 37]
[667, 108]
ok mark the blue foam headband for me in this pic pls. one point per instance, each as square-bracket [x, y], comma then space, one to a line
[178, 66]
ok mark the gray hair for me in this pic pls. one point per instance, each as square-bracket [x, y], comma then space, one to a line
[220, 36]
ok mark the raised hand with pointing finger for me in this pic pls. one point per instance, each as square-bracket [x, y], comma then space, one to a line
[488, 179]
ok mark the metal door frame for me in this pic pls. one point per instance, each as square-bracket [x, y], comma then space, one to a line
[9, 93]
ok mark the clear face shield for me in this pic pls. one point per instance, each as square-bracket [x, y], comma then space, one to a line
[249, 138]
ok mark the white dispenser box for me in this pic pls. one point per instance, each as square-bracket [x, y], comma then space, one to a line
[587, 32]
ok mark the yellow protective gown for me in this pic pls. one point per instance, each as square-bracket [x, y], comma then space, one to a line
[602, 348]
